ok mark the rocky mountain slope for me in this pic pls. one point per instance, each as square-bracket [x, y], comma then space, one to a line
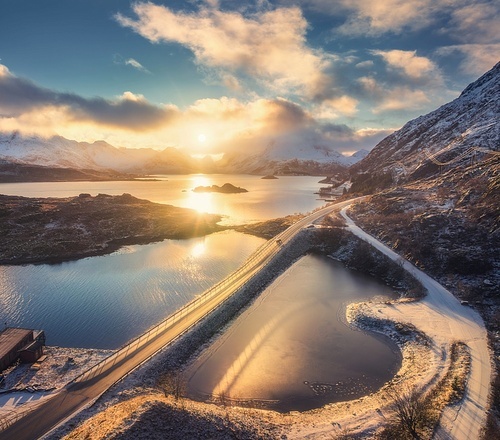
[436, 199]
[466, 130]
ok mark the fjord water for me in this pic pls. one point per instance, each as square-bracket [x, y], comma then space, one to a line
[265, 198]
[292, 349]
[104, 301]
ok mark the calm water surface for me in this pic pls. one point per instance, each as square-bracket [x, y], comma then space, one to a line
[105, 301]
[265, 199]
[292, 347]
[102, 302]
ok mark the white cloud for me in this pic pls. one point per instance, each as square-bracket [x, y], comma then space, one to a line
[389, 98]
[375, 17]
[402, 98]
[268, 46]
[4, 71]
[136, 65]
[413, 66]
[336, 107]
[477, 58]
[476, 22]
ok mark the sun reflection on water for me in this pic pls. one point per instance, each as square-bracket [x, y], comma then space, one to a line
[198, 249]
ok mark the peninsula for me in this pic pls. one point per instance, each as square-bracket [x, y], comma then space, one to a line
[44, 230]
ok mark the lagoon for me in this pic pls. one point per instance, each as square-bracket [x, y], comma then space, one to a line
[293, 350]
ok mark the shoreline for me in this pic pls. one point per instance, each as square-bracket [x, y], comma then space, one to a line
[420, 327]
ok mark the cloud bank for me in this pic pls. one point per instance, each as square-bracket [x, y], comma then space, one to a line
[268, 47]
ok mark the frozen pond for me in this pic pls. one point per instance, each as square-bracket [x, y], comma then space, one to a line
[292, 348]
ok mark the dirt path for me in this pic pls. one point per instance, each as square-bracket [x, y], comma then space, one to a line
[441, 316]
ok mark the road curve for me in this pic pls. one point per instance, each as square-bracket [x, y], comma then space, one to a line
[89, 386]
[441, 316]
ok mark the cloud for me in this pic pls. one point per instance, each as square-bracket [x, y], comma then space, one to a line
[390, 97]
[407, 61]
[402, 98]
[118, 59]
[130, 112]
[411, 68]
[336, 107]
[267, 46]
[375, 17]
[229, 124]
[476, 58]
[468, 21]
[476, 22]
[136, 65]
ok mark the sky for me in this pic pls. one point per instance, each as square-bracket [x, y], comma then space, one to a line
[215, 76]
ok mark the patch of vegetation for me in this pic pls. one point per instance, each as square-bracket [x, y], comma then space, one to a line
[359, 255]
[416, 415]
[269, 228]
[38, 230]
[367, 183]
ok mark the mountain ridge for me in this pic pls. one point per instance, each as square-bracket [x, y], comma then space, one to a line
[59, 152]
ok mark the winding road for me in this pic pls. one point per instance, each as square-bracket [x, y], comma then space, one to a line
[444, 319]
[439, 314]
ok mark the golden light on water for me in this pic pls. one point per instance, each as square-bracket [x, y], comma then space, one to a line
[201, 202]
[198, 249]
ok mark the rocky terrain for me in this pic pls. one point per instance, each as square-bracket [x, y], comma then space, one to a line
[436, 198]
[51, 230]
[14, 172]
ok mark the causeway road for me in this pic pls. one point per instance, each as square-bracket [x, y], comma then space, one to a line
[83, 391]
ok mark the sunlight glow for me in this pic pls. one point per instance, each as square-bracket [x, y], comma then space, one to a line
[198, 249]
[201, 202]
[202, 138]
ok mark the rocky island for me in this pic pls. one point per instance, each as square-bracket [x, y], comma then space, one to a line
[45, 230]
[227, 188]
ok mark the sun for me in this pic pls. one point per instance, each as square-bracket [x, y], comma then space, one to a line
[202, 138]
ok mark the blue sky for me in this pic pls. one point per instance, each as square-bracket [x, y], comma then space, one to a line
[214, 76]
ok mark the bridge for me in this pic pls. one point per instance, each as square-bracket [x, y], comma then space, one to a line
[87, 388]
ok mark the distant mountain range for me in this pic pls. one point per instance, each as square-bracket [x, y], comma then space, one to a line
[25, 152]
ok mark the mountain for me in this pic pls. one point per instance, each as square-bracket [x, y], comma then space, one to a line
[435, 196]
[59, 152]
[290, 160]
[460, 132]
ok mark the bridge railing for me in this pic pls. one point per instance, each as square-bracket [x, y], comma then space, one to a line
[155, 330]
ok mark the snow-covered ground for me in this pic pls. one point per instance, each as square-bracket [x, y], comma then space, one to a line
[25, 388]
[444, 319]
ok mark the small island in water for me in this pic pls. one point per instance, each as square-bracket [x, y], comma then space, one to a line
[227, 188]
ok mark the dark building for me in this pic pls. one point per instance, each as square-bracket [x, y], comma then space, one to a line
[20, 343]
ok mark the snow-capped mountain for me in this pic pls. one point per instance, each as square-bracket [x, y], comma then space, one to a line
[290, 159]
[58, 152]
[464, 130]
